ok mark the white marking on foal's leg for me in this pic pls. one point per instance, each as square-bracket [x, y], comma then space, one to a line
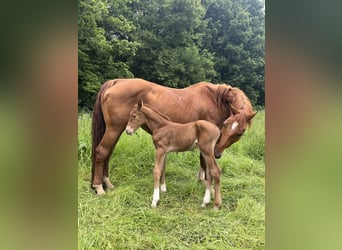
[206, 198]
[109, 185]
[155, 197]
[99, 189]
[163, 187]
[235, 124]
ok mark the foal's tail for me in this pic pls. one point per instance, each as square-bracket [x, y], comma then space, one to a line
[98, 123]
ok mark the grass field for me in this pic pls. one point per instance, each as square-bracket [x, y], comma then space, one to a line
[124, 219]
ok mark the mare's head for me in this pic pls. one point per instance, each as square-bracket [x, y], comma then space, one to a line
[136, 118]
[233, 128]
[241, 115]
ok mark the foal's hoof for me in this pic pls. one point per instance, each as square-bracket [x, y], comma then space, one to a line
[154, 204]
[217, 206]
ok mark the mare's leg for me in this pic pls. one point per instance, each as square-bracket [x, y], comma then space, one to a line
[207, 196]
[115, 137]
[158, 166]
[106, 180]
[202, 170]
[162, 180]
[102, 154]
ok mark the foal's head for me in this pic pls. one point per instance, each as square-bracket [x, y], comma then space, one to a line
[136, 118]
[233, 128]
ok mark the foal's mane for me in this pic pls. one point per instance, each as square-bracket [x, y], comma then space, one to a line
[156, 111]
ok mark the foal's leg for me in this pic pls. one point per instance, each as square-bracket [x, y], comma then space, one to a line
[158, 166]
[206, 166]
[162, 180]
[215, 174]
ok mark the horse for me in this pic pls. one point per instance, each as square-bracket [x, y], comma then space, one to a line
[200, 101]
[169, 136]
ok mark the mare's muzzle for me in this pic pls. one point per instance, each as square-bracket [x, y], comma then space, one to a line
[217, 154]
[129, 131]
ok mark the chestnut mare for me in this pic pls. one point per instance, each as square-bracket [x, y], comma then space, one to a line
[225, 106]
[176, 137]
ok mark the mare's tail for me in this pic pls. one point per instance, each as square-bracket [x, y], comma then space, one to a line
[98, 124]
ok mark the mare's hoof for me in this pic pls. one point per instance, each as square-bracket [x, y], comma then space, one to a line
[100, 193]
[108, 184]
[99, 189]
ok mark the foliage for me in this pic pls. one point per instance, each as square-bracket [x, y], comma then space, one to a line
[172, 42]
[123, 218]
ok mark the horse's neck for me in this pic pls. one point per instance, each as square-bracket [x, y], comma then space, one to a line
[154, 120]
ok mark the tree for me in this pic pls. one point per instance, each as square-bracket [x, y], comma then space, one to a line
[172, 42]
[235, 35]
[171, 35]
[104, 47]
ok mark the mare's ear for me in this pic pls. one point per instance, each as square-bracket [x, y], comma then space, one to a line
[140, 103]
[250, 117]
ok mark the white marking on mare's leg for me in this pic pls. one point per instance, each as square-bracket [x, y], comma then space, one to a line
[235, 124]
[155, 197]
[109, 185]
[99, 189]
[206, 198]
[201, 175]
[163, 187]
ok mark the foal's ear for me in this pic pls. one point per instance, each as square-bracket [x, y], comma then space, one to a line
[140, 103]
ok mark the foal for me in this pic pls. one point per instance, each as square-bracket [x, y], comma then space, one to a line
[175, 137]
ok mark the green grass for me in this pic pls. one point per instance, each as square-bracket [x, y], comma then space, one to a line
[124, 219]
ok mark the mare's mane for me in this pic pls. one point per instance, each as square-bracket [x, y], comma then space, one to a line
[220, 94]
[242, 103]
[235, 98]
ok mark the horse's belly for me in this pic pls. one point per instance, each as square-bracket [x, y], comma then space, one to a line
[184, 147]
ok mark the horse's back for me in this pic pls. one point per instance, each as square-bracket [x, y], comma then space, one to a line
[195, 102]
[207, 127]
[124, 87]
